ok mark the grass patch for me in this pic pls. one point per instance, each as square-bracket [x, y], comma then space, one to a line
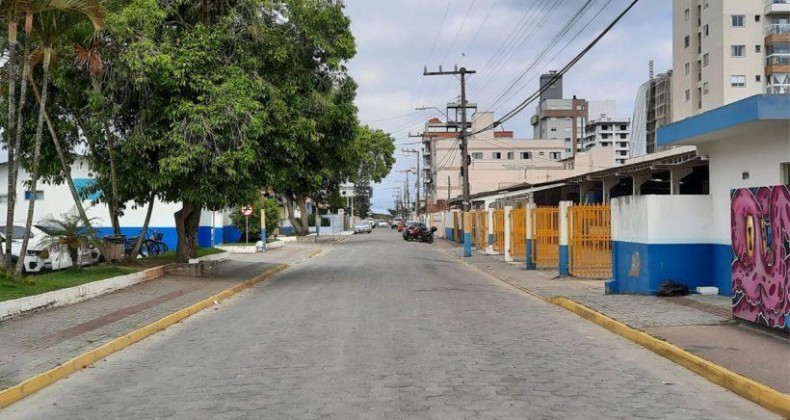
[171, 255]
[35, 285]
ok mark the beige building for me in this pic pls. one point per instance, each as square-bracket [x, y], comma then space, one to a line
[727, 50]
[497, 160]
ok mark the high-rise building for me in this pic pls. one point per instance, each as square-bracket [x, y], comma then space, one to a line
[652, 109]
[727, 50]
[610, 132]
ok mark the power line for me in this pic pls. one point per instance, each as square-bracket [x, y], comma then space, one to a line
[458, 32]
[512, 113]
[430, 54]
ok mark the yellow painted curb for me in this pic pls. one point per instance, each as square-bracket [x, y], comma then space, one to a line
[15, 393]
[763, 395]
[313, 253]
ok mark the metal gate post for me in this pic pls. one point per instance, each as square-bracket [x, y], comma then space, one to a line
[564, 236]
[508, 231]
[467, 234]
[530, 236]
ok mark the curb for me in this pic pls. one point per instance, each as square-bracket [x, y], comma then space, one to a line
[754, 391]
[17, 392]
[761, 394]
[313, 253]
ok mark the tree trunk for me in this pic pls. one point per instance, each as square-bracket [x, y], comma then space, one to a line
[36, 157]
[116, 225]
[290, 205]
[63, 164]
[187, 222]
[305, 217]
[11, 201]
[144, 233]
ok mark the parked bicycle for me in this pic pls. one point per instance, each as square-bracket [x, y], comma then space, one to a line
[153, 245]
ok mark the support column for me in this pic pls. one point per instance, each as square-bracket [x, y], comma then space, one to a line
[584, 188]
[564, 238]
[263, 229]
[675, 176]
[608, 183]
[530, 237]
[490, 225]
[508, 230]
[467, 219]
[638, 181]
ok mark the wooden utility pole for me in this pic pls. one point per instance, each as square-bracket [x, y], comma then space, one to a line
[464, 153]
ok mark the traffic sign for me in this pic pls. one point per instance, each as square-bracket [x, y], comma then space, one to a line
[247, 210]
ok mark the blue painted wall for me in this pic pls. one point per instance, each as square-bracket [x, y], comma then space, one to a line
[448, 234]
[230, 235]
[690, 264]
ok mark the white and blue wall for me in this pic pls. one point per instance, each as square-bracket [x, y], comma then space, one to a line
[215, 227]
[656, 238]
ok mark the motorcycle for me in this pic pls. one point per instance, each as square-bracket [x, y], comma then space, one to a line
[421, 234]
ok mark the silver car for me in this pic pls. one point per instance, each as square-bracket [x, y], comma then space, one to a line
[362, 227]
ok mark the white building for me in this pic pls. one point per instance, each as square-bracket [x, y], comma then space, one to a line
[604, 130]
[54, 200]
[728, 50]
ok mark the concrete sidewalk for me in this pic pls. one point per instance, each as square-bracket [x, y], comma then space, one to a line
[34, 343]
[702, 325]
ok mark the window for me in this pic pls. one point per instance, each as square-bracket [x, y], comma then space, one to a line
[623, 136]
[756, 18]
[758, 78]
[686, 14]
[604, 144]
[604, 127]
[510, 155]
[688, 68]
[477, 155]
[686, 42]
[29, 195]
[738, 50]
[738, 81]
[737, 21]
[705, 88]
[541, 154]
[786, 173]
[567, 129]
[526, 155]
[758, 48]
[705, 30]
[705, 4]
[705, 60]
[555, 155]
[605, 136]
[688, 95]
[3, 198]
[496, 155]
[623, 127]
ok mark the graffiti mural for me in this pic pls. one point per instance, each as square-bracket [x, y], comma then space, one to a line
[760, 226]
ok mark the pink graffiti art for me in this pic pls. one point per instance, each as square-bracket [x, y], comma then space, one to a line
[761, 246]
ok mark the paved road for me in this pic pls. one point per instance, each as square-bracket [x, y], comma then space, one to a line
[376, 329]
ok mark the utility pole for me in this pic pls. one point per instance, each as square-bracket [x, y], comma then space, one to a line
[416, 152]
[406, 189]
[464, 146]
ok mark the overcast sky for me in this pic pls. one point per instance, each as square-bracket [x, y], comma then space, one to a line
[501, 40]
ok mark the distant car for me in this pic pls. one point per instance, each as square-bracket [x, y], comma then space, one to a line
[362, 227]
[396, 223]
[383, 224]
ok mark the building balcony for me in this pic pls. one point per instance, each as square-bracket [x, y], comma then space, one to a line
[777, 59]
[778, 29]
[777, 6]
[778, 89]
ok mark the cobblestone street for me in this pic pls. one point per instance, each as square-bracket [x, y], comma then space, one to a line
[379, 328]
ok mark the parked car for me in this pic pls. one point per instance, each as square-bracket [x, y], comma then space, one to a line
[396, 222]
[382, 223]
[42, 254]
[362, 227]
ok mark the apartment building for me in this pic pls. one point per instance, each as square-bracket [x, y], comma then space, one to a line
[652, 109]
[611, 133]
[727, 50]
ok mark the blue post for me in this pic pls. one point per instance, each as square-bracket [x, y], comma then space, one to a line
[263, 239]
[467, 244]
[564, 238]
[530, 263]
[491, 239]
[564, 260]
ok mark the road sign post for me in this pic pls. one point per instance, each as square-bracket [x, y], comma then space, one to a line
[246, 211]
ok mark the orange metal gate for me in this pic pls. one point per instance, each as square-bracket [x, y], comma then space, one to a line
[518, 234]
[590, 241]
[546, 231]
[457, 233]
[499, 231]
[481, 229]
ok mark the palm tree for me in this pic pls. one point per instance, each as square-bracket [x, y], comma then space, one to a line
[55, 17]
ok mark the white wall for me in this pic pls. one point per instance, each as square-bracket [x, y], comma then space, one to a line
[760, 154]
[662, 219]
[57, 201]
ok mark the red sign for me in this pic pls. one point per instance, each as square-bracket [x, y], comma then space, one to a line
[246, 211]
